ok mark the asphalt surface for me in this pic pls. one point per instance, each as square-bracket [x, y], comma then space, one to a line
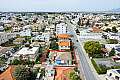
[85, 68]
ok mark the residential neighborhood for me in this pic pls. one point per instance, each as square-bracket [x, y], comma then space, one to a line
[59, 39]
[59, 46]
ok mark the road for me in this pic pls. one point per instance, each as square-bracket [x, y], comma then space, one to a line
[85, 68]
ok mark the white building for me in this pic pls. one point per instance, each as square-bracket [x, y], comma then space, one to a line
[4, 37]
[1, 28]
[43, 37]
[28, 53]
[61, 28]
[26, 31]
[113, 74]
[85, 34]
[114, 36]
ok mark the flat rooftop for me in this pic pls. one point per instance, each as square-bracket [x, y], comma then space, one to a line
[27, 51]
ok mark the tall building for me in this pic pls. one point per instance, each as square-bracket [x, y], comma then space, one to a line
[61, 28]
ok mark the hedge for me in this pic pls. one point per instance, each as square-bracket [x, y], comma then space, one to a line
[102, 69]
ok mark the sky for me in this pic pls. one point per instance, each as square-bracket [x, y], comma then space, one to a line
[58, 5]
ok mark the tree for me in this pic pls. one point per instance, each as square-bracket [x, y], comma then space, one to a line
[112, 41]
[92, 47]
[112, 52]
[74, 76]
[54, 45]
[87, 23]
[114, 30]
[16, 62]
[79, 22]
[108, 30]
[23, 73]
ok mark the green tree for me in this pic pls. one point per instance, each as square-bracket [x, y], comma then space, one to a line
[108, 30]
[74, 76]
[16, 62]
[114, 30]
[112, 52]
[54, 45]
[79, 22]
[92, 47]
[112, 41]
[23, 73]
[87, 23]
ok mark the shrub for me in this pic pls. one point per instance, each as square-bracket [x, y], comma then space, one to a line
[95, 66]
[101, 69]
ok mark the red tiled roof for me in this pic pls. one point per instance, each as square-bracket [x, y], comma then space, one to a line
[7, 75]
[96, 29]
[64, 43]
[62, 73]
[63, 36]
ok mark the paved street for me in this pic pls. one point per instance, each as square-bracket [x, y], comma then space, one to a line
[84, 65]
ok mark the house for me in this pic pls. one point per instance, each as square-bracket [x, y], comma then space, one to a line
[4, 37]
[8, 74]
[63, 36]
[114, 36]
[1, 28]
[37, 44]
[116, 58]
[19, 41]
[64, 45]
[110, 46]
[62, 72]
[60, 57]
[96, 30]
[26, 31]
[16, 28]
[43, 37]
[49, 72]
[113, 74]
[27, 53]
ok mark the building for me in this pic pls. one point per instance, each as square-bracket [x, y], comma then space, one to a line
[114, 36]
[1, 28]
[4, 37]
[19, 41]
[113, 74]
[62, 72]
[61, 28]
[26, 31]
[64, 45]
[59, 57]
[43, 37]
[8, 74]
[27, 53]
[63, 36]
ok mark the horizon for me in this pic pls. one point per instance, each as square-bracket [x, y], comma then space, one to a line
[58, 5]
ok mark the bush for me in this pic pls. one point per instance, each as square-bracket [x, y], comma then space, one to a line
[97, 56]
[112, 41]
[95, 66]
[16, 62]
[101, 69]
[115, 67]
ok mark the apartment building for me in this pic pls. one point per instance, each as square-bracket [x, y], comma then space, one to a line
[61, 28]
[27, 53]
[4, 37]
[43, 37]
